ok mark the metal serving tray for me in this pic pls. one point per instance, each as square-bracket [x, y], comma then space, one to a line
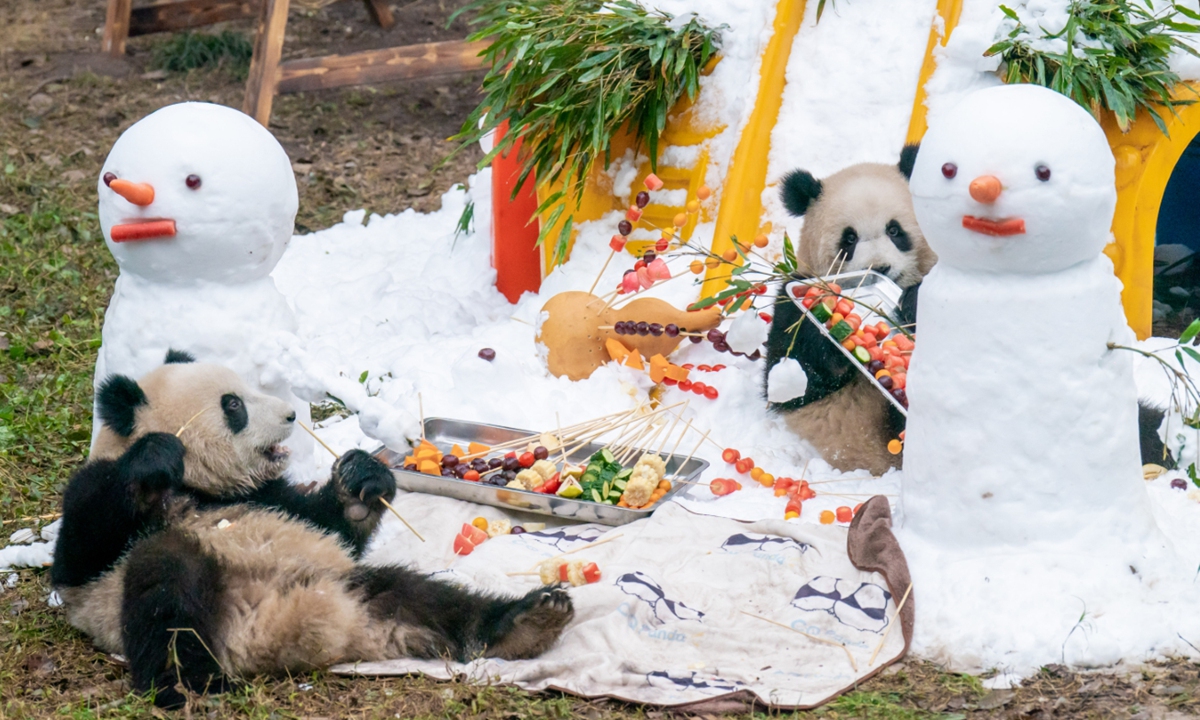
[444, 432]
[862, 286]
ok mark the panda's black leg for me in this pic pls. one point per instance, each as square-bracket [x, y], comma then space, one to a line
[466, 624]
[169, 617]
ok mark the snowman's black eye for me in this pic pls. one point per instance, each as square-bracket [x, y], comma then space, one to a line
[193, 181]
[1042, 172]
[949, 170]
[109, 177]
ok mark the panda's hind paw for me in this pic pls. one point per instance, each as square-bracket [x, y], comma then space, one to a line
[537, 620]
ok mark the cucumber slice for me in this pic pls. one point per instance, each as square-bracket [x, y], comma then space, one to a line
[861, 355]
[624, 474]
[841, 331]
[620, 483]
[607, 456]
[596, 495]
[820, 312]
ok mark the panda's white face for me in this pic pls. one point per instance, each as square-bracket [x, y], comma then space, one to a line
[863, 220]
[232, 434]
[1016, 178]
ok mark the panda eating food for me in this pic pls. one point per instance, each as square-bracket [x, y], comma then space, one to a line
[859, 218]
[184, 549]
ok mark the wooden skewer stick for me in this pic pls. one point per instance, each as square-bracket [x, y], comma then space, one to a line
[189, 422]
[386, 504]
[810, 637]
[581, 548]
[421, 408]
[667, 437]
[689, 457]
[595, 282]
[895, 616]
[571, 431]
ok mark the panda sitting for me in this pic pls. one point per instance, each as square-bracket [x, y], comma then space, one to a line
[196, 560]
[860, 218]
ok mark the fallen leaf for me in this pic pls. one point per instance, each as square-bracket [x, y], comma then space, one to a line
[75, 175]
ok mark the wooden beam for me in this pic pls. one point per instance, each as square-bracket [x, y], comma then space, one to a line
[182, 14]
[116, 27]
[380, 13]
[375, 66]
[264, 65]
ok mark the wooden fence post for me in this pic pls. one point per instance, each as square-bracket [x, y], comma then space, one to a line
[264, 65]
[116, 27]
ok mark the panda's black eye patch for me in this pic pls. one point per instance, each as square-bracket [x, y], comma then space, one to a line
[236, 416]
[847, 243]
[898, 236]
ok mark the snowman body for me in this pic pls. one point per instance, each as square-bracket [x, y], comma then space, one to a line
[197, 205]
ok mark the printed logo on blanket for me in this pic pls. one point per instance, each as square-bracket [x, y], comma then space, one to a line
[690, 680]
[665, 610]
[563, 538]
[862, 606]
[766, 547]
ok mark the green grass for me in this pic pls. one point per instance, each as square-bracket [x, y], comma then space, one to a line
[192, 50]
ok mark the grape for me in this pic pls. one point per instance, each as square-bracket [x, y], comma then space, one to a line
[517, 530]
[487, 354]
[619, 327]
[721, 346]
[624, 227]
[672, 330]
[874, 366]
[901, 396]
[696, 339]
[716, 336]
[656, 329]
[495, 463]
[1179, 484]
[642, 199]
[511, 464]
[649, 257]
[508, 475]
[449, 461]
[447, 472]
[643, 328]
[885, 382]
[411, 467]
[757, 354]
[540, 453]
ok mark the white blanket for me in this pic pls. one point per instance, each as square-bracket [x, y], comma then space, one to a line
[670, 622]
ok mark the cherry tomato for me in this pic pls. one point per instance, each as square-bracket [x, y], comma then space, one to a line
[527, 459]
[711, 393]
[471, 476]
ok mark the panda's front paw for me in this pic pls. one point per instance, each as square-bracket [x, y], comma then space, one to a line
[152, 466]
[364, 478]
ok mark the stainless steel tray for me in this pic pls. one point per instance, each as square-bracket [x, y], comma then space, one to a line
[861, 286]
[444, 432]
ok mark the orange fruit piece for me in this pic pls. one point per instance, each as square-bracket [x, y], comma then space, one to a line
[895, 447]
[680, 220]
[827, 517]
[761, 241]
[703, 192]
[696, 267]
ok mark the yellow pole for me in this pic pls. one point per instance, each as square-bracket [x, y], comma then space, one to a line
[741, 197]
[948, 11]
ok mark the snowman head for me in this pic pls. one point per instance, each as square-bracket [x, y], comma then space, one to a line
[1015, 179]
[197, 191]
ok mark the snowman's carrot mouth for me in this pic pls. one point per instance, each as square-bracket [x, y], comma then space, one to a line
[996, 228]
[143, 230]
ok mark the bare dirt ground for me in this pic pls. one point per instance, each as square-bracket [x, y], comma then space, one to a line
[61, 107]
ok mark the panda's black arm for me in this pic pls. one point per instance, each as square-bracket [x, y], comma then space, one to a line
[347, 506]
[108, 503]
[793, 335]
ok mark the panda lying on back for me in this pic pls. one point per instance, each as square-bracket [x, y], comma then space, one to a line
[860, 218]
[201, 533]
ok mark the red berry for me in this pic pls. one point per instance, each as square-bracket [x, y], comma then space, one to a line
[765, 317]
[710, 392]
[685, 385]
[526, 459]
[699, 387]
[471, 475]
[661, 245]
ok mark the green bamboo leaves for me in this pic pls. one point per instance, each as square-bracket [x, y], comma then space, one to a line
[568, 75]
[1117, 56]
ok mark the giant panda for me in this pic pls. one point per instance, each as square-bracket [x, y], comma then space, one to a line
[859, 218]
[862, 218]
[183, 549]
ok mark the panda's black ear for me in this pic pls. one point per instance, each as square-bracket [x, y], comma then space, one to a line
[799, 191]
[908, 158]
[179, 357]
[117, 400]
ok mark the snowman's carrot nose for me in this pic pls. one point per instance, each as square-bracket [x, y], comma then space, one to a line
[985, 188]
[136, 193]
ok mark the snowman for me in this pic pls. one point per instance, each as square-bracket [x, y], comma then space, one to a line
[1022, 500]
[197, 204]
